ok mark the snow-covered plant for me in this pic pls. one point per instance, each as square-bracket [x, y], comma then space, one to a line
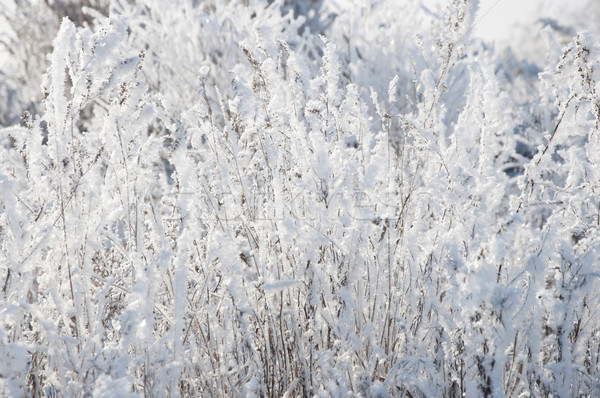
[28, 27]
[314, 199]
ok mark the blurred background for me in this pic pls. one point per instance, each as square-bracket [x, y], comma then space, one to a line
[517, 23]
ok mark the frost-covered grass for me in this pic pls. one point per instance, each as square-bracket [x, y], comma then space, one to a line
[296, 199]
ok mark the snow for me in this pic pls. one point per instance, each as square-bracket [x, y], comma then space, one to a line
[278, 285]
[336, 198]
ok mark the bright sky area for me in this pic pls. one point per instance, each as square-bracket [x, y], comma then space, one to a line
[497, 18]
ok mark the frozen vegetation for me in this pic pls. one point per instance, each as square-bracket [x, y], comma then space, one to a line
[309, 198]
